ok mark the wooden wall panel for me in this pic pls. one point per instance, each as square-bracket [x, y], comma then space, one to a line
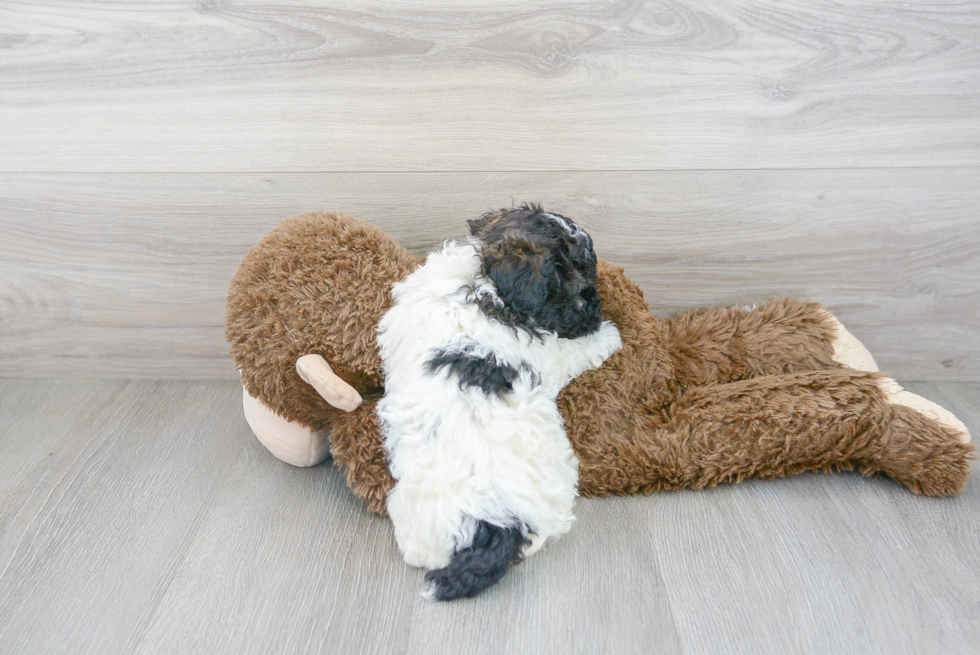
[828, 150]
[235, 86]
[118, 275]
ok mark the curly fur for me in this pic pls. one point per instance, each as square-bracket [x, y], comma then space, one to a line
[472, 432]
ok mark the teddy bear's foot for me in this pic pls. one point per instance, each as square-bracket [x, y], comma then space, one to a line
[292, 442]
[923, 446]
[848, 350]
[896, 395]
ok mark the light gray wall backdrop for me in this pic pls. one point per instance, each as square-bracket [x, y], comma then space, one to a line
[723, 152]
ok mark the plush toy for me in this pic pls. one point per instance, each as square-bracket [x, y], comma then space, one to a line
[712, 396]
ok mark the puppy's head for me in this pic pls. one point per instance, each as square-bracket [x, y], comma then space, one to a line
[543, 268]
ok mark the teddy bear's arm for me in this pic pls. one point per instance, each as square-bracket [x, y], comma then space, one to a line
[720, 345]
[317, 373]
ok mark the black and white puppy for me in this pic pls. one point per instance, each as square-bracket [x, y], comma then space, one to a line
[479, 341]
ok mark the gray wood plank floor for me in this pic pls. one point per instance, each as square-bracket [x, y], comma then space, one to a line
[142, 516]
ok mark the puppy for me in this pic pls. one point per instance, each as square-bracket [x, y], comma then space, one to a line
[479, 341]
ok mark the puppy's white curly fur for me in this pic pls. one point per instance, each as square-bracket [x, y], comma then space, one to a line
[460, 455]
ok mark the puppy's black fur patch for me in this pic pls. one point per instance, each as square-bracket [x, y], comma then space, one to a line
[474, 370]
[479, 565]
[543, 268]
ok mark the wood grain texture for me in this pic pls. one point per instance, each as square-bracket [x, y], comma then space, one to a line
[291, 561]
[822, 563]
[159, 524]
[222, 85]
[126, 275]
[573, 600]
[93, 530]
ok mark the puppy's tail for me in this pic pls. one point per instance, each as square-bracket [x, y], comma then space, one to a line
[479, 565]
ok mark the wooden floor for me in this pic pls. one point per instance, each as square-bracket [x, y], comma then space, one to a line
[142, 516]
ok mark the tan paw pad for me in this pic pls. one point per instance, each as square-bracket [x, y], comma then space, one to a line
[849, 351]
[289, 441]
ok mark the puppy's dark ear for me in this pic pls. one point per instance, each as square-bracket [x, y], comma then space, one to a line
[477, 225]
[521, 271]
[481, 225]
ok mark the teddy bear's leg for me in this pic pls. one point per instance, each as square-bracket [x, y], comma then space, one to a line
[293, 443]
[912, 457]
[720, 345]
[779, 425]
[769, 427]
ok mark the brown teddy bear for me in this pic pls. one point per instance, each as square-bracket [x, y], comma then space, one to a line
[712, 396]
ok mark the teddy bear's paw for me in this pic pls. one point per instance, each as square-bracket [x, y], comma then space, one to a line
[848, 351]
[896, 395]
[291, 442]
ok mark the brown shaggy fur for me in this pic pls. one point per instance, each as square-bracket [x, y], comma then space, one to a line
[320, 283]
[708, 397]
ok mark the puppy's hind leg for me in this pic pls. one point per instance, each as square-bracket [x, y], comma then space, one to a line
[427, 524]
[477, 566]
